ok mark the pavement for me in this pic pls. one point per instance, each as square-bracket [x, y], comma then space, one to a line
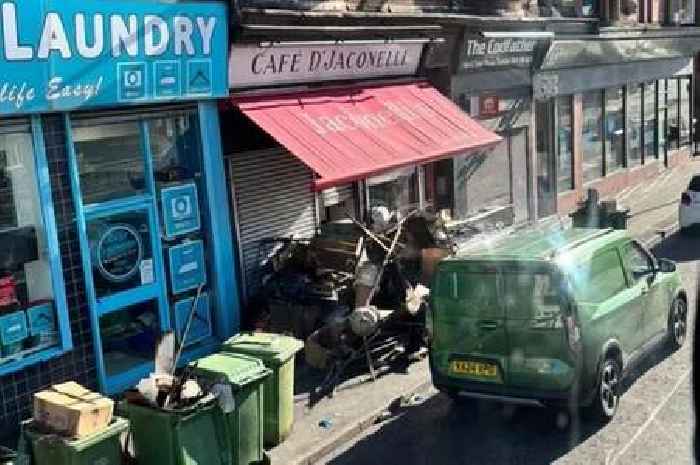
[400, 418]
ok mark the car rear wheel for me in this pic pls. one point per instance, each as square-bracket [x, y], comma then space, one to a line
[678, 323]
[607, 397]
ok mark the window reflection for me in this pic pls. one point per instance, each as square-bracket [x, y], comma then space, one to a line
[110, 161]
[634, 125]
[567, 8]
[393, 194]
[684, 111]
[672, 122]
[592, 136]
[565, 174]
[27, 310]
[650, 113]
[614, 129]
[662, 121]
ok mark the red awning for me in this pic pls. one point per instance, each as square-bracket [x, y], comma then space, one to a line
[348, 134]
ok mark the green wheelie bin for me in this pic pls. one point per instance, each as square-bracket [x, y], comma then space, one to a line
[103, 447]
[277, 353]
[243, 377]
[191, 436]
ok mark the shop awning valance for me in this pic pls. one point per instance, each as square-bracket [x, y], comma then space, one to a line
[349, 134]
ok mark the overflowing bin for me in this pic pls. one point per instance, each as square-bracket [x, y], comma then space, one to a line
[103, 447]
[238, 381]
[195, 435]
[277, 353]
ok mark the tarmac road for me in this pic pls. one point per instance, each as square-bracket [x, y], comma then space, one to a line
[653, 424]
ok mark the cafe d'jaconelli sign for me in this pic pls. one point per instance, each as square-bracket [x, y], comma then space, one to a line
[490, 53]
[59, 55]
[253, 65]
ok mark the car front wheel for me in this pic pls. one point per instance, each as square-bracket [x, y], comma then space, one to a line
[678, 323]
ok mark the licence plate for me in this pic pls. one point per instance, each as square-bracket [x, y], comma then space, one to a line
[486, 370]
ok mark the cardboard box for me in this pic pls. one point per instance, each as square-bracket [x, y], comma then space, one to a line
[71, 410]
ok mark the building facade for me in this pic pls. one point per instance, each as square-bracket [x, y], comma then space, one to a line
[112, 170]
[150, 153]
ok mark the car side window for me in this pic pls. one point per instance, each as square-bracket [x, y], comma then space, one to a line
[600, 278]
[637, 261]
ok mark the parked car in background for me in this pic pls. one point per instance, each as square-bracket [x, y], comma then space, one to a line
[551, 318]
[689, 207]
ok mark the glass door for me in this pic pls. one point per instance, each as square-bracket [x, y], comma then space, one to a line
[546, 166]
[137, 184]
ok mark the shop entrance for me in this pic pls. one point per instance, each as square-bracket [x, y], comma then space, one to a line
[139, 190]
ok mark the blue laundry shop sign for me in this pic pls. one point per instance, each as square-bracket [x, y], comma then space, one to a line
[59, 55]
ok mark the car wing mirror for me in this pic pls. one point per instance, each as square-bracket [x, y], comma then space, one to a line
[666, 266]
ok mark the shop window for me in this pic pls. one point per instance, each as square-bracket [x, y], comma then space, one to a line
[565, 159]
[592, 138]
[394, 193]
[32, 303]
[662, 121]
[546, 181]
[173, 141]
[672, 114]
[110, 161]
[337, 203]
[568, 8]
[684, 110]
[650, 116]
[682, 11]
[614, 129]
[429, 183]
[634, 125]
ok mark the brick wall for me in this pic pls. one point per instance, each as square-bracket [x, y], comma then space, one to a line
[79, 364]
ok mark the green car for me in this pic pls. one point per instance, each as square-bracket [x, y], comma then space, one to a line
[551, 318]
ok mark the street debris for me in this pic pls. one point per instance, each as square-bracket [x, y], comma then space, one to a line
[325, 423]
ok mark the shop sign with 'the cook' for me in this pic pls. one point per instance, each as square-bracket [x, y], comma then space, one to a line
[491, 53]
[253, 65]
[59, 55]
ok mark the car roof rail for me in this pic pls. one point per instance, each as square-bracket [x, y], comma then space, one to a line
[587, 238]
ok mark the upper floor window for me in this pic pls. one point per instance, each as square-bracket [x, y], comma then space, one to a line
[675, 12]
[682, 11]
[568, 8]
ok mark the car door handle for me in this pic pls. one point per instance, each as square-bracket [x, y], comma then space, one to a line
[488, 325]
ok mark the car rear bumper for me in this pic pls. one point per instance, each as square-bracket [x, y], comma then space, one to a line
[688, 215]
[573, 396]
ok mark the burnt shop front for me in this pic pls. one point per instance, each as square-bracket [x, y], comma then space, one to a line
[333, 129]
[113, 205]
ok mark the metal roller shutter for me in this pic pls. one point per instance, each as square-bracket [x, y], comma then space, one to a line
[272, 198]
